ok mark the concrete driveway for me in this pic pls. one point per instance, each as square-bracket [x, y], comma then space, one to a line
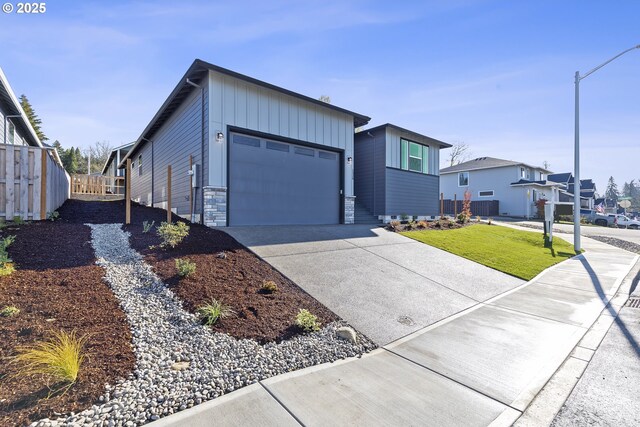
[384, 284]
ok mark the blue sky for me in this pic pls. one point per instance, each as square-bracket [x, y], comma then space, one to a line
[496, 75]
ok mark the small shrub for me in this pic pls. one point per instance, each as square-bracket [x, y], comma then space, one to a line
[214, 310]
[5, 242]
[172, 234]
[9, 311]
[423, 224]
[395, 225]
[52, 216]
[6, 264]
[17, 220]
[404, 217]
[489, 221]
[60, 358]
[540, 207]
[307, 321]
[185, 267]
[478, 218]
[411, 225]
[146, 226]
[466, 206]
[269, 287]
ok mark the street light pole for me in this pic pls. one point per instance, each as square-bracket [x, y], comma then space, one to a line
[576, 174]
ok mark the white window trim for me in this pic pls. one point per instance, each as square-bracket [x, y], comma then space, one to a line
[468, 179]
[11, 132]
[484, 191]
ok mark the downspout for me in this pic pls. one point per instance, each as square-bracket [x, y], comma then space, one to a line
[201, 148]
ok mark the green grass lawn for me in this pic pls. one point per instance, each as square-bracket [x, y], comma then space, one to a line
[518, 253]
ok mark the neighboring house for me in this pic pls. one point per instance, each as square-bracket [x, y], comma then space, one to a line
[587, 189]
[262, 154]
[14, 124]
[396, 174]
[25, 191]
[110, 168]
[515, 185]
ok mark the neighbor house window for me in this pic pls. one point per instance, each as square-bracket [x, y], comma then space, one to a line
[523, 173]
[541, 176]
[140, 165]
[463, 179]
[414, 156]
[11, 136]
[488, 193]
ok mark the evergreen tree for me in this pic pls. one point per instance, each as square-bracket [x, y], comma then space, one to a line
[33, 117]
[612, 192]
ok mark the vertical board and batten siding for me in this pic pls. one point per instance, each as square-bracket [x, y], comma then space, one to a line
[393, 149]
[21, 181]
[370, 171]
[178, 138]
[235, 102]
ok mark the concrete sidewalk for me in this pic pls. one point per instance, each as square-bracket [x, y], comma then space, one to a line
[481, 367]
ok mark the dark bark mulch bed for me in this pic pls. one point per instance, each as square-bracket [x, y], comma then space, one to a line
[234, 280]
[57, 286]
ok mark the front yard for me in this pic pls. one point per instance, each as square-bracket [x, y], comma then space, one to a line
[518, 253]
[146, 348]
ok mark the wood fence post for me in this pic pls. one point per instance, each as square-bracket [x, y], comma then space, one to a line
[455, 205]
[128, 193]
[43, 186]
[441, 204]
[169, 194]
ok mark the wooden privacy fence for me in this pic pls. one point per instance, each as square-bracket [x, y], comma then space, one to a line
[32, 184]
[478, 207]
[97, 184]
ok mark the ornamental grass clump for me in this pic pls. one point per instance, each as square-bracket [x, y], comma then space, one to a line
[58, 359]
[306, 321]
[146, 226]
[185, 267]
[211, 312]
[172, 234]
[9, 311]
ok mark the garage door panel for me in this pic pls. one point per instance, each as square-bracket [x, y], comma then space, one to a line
[278, 183]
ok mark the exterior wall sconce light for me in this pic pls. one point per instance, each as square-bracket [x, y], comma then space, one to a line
[349, 160]
[219, 137]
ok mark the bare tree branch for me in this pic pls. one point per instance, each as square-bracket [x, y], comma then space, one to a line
[459, 153]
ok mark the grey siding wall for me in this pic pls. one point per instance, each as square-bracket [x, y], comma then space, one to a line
[19, 138]
[178, 138]
[242, 104]
[369, 171]
[411, 193]
[393, 150]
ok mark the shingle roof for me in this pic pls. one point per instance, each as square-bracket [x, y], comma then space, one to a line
[562, 178]
[485, 163]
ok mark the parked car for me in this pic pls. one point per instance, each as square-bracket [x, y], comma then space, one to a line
[625, 221]
[592, 217]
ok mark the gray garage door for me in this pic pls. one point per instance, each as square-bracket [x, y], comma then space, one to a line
[272, 183]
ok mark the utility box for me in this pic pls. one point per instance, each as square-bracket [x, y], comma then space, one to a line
[195, 175]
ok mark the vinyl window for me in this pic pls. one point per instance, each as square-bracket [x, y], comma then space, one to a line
[140, 165]
[463, 179]
[11, 133]
[487, 193]
[414, 156]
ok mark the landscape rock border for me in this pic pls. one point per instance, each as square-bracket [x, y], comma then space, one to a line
[164, 334]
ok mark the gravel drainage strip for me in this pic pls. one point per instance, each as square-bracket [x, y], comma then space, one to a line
[181, 363]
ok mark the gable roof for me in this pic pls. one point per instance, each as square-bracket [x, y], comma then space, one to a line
[485, 163]
[113, 153]
[410, 132]
[198, 70]
[12, 107]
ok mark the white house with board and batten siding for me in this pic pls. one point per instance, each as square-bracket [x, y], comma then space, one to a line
[245, 152]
